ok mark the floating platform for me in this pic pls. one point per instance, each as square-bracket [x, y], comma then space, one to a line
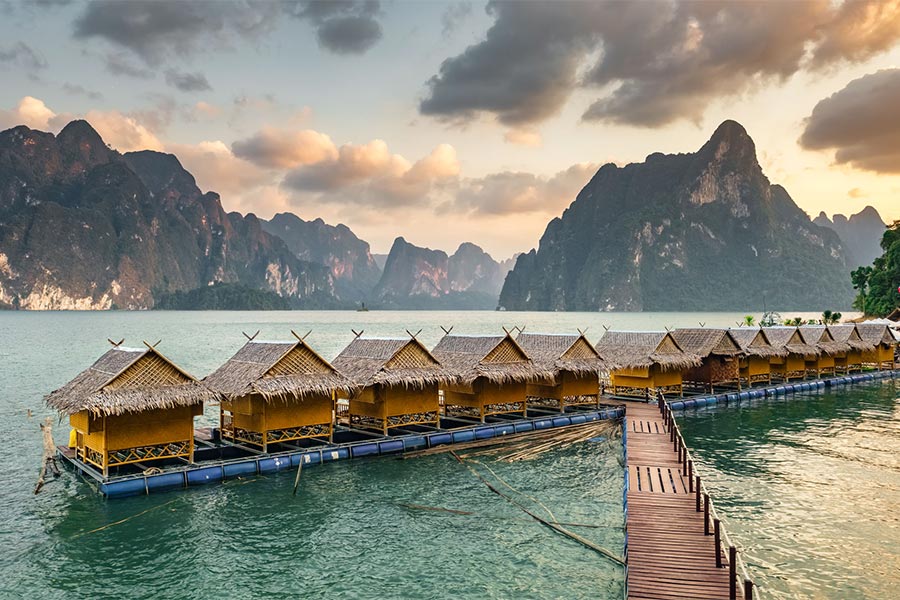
[217, 460]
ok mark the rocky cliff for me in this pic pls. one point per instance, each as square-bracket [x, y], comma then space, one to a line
[352, 266]
[699, 231]
[861, 234]
[417, 277]
[83, 227]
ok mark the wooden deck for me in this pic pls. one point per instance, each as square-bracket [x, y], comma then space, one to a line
[669, 555]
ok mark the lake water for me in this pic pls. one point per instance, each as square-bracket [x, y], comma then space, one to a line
[810, 486]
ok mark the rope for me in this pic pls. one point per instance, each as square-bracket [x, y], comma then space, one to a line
[574, 536]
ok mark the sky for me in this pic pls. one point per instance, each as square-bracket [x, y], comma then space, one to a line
[446, 122]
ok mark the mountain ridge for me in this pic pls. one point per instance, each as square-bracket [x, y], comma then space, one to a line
[682, 232]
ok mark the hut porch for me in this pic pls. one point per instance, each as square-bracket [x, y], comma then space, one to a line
[647, 362]
[395, 382]
[276, 392]
[576, 365]
[484, 398]
[643, 382]
[130, 407]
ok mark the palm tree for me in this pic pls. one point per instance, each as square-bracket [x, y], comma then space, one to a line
[749, 321]
[826, 317]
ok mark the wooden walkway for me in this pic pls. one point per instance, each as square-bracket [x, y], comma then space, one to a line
[669, 555]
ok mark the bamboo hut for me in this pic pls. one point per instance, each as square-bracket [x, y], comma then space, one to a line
[851, 359]
[132, 406]
[883, 342]
[396, 382]
[754, 365]
[576, 366]
[719, 353]
[829, 348]
[491, 374]
[646, 362]
[277, 392]
[793, 365]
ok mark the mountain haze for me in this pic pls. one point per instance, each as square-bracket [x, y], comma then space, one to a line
[700, 231]
[861, 234]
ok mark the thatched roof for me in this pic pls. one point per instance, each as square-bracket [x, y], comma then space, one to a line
[876, 333]
[707, 342]
[641, 349]
[277, 370]
[790, 338]
[497, 358]
[754, 342]
[847, 333]
[821, 338]
[562, 352]
[401, 362]
[129, 380]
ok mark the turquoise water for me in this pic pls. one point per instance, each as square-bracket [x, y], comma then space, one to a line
[791, 477]
[810, 486]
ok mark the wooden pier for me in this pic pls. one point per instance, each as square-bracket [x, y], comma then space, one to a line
[677, 547]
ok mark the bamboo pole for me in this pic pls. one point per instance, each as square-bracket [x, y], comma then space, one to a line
[48, 458]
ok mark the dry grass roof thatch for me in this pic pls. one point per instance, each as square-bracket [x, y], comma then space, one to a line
[754, 342]
[129, 380]
[402, 362]
[847, 333]
[277, 370]
[791, 339]
[497, 358]
[562, 352]
[643, 349]
[820, 337]
[875, 333]
[707, 342]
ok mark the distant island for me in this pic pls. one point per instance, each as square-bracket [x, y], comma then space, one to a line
[85, 227]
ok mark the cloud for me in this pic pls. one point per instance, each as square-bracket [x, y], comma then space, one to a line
[523, 137]
[119, 65]
[187, 82]
[160, 30]
[23, 56]
[122, 132]
[216, 168]
[651, 63]
[277, 149]
[454, 16]
[205, 109]
[508, 192]
[30, 112]
[859, 122]
[369, 174]
[856, 193]
[79, 90]
[345, 27]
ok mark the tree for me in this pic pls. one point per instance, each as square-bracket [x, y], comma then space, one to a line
[749, 321]
[877, 285]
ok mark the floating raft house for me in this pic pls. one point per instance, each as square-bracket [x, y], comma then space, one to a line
[277, 392]
[646, 362]
[132, 406]
[793, 365]
[829, 348]
[851, 359]
[754, 363]
[395, 382]
[884, 342]
[576, 366]
[490, 375]
[719, 353]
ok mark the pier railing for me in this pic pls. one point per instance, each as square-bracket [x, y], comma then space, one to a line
[740, 583]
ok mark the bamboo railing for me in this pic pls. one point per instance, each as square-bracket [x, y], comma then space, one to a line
[740, 583]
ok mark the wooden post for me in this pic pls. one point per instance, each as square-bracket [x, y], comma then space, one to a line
[48, 460]
[705, 514]
[698, 493]
[717, 527]
[732, 573]
[748, 589]
[690, 476]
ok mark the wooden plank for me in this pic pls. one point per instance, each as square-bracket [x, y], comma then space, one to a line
[669, 556]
